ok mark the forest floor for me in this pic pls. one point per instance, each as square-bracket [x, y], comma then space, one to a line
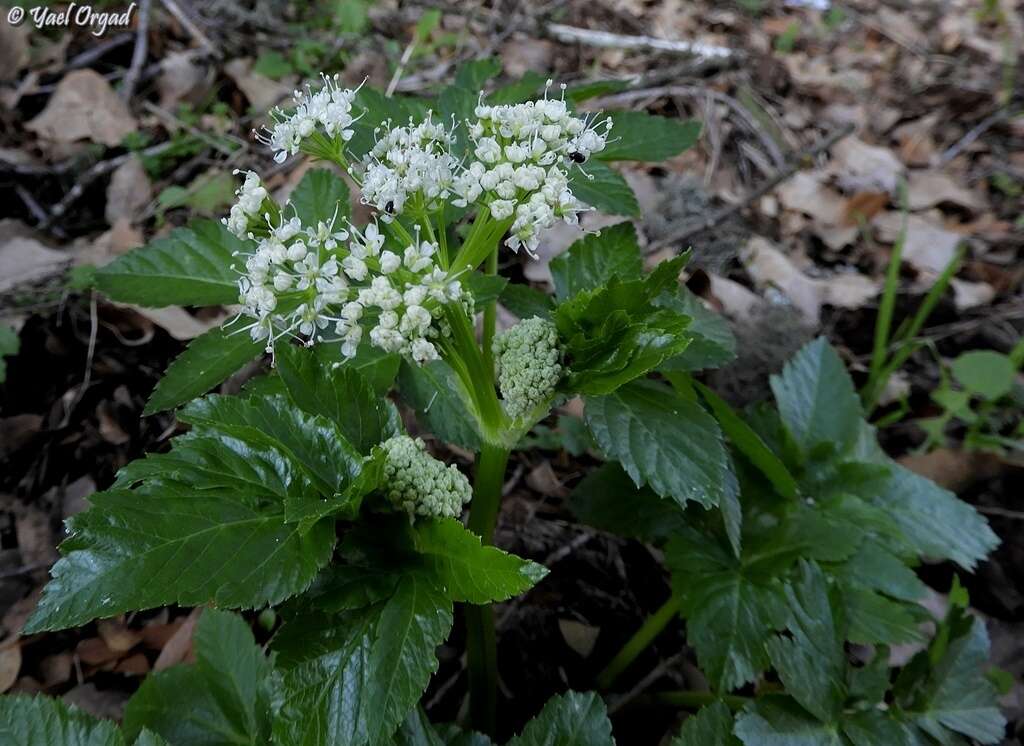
[828, 130]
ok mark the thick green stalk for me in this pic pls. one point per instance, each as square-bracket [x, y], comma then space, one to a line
[644, 636]
[481, 640]
[490, 313]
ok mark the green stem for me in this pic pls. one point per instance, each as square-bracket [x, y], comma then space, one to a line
[477, 377]
[644, 636]
[490, 313]
[481, 641]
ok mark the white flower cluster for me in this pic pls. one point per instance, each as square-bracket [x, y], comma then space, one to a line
[250, 196]
[415, 159]
[300, 281]
[522, 155]
[328, 110]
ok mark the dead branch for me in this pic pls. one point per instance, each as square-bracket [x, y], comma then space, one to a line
[131, 78]
[606, 39]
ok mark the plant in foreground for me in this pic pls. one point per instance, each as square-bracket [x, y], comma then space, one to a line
[789, 532]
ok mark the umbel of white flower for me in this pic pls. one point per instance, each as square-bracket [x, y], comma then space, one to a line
[413, 161]
[419, 484]
[325, 283]
[522, 154]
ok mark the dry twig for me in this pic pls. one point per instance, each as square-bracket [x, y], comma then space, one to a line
[570, 34]
[131, 78]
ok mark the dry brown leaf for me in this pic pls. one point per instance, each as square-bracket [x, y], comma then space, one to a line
[917, 140]
[178, 322]
[953, 469]
[25, 260]
[182, 79]
[121, 238]
[94, 651]
[863, 206]
[17, 430]
[106, 703]
[262, 92]
[134, 665]
[580, 637]
[10, 665]
[84, 106]
[968, 294]
[76, 496]
[56, 669]
[816, 76]
[543, 479]
[860, 167]
[179, 645]
[523, 54]
[928, 247]
[36, 543]
[736, 300]
[16, 616]
[117, 635]
[769, 267]
[129, 193]
[930, 188]
[806, 192]
[110, 428]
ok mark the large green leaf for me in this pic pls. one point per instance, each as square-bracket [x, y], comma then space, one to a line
[958, 696]
[811, 662]
[470, 571]
[931, 519]
[599, 185]
[873, 619]
[608, 499]
[352, 678]
[614, 333]
[639, 136]
[206, 522]
[779, 721]
[223, 698]
[661, 440]
[433, 391]
[321, 197]
[595, 259]
[817, 400]
[190, 267]
[340, 393]
[312, 442]
[570, 719]
[43, 721]
[526, 302]
[731, 605]
[713, 343]
[207, 361]
[746, 440]
[712, 726]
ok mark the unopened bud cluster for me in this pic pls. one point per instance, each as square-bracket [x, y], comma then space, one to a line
[416, 482]
[528, 359]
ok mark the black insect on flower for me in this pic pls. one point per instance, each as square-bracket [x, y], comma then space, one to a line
[577, 157]
[389, 207]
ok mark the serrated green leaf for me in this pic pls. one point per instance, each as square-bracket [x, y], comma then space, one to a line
[661, 440]
[351, 679]
[874, 728]
[873, 619]
[582, 91]
[526, 302]
[484, 288]
[469, 571]
[608, 499]
[811, 663]
[190, 267]
[570, 719]
[43, 721]
[876, 568]
[731, 605]
[602, 187]
[207, 361]
[816, 399]
[432, 390]
[416, 730]
[749, 443]
[639, 136]
[779, 721]
[340, 393]
[321, 197]
[613, 334]
[711, 726]
[595, 259]
[222, 698]
[958, 696]
[985, 373]
[931, 519]
[713, 344]
[312, 442]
